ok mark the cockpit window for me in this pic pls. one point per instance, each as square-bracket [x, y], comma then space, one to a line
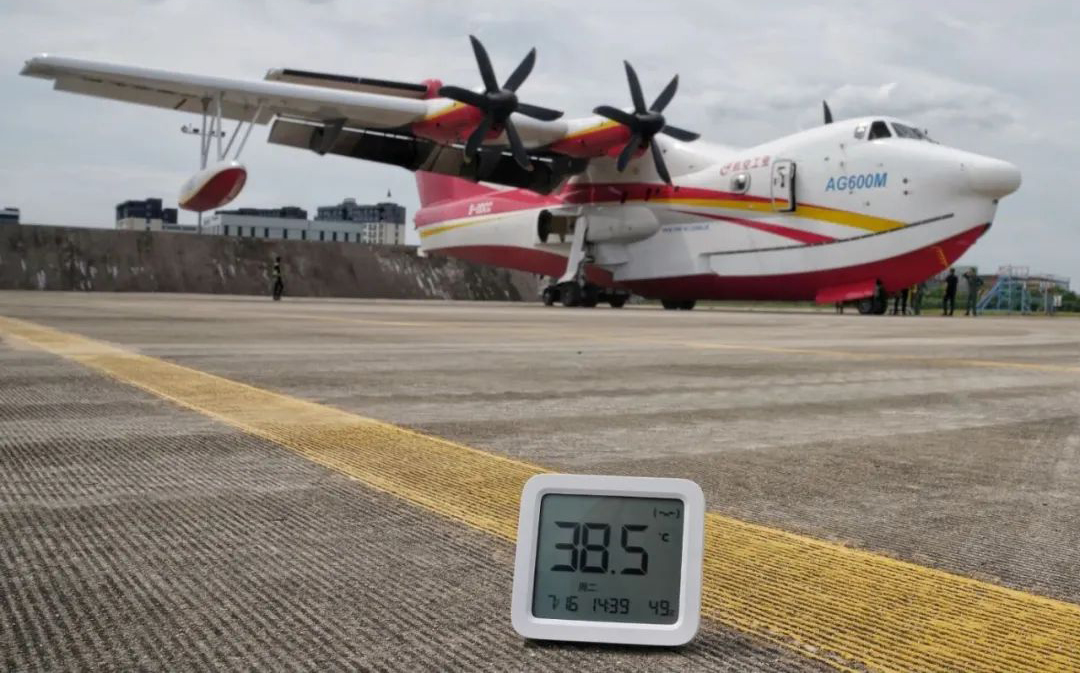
[879, 129]
[904, 131]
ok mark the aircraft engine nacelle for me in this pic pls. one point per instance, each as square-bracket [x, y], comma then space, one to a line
[213, 187]
[621, 224]
[617, 224]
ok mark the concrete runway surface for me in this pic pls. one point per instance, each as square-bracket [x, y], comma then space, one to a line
[193, 482]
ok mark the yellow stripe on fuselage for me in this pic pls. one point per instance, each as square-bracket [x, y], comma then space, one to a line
[845, 218]
[450, 225]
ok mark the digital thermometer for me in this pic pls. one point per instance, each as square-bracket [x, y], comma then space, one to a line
[609, 559]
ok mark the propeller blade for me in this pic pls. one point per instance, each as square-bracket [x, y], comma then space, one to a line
[520, 156]
[828, 112]
[679, 134]
[616, 115]
[635, 88]
[538, 112]
[477, 137]
[462, 95]
[666, 95]
[658, 159]
[627, 152]
[482, 60]
[522, 71]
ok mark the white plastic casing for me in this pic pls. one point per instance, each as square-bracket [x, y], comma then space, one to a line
[679, 633]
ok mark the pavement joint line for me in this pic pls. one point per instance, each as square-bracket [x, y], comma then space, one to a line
[710, 345]
[849, 608]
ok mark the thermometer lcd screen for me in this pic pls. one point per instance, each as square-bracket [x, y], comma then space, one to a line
[609, 559]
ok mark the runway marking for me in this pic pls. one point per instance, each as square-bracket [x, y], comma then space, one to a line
[850, 608]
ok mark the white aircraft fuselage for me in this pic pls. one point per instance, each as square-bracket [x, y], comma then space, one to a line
[735, 225]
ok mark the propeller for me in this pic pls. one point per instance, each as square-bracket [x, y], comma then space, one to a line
[644, 123]
[828, 112]
[498, 103]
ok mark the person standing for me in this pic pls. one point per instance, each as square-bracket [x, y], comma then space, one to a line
[973, 285]
[948, 304]
[917, 293]
[279, 282]
[899, 306]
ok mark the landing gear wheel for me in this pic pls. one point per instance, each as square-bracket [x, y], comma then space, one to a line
[549, 295]
[617, 300]
[670, 304]
[872, 305]
[590, 296]
[570, 294]
[687, 305]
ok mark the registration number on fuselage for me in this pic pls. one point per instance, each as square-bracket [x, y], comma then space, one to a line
[843, 183]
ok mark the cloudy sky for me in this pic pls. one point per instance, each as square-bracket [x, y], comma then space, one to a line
[998, 78]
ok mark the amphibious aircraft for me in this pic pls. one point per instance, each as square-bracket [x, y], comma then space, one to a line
[608, 204]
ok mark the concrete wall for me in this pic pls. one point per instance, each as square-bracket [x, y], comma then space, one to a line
[62, 258]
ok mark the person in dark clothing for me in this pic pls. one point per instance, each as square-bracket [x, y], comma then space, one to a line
[917, 294]
[880, 300]
[279, 283]
[899, 306]
[948, 304]
[973, 285]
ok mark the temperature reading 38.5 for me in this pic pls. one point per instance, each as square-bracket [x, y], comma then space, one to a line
[608, 558]
[588, 548]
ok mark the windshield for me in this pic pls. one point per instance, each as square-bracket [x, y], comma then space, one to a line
[904, 131]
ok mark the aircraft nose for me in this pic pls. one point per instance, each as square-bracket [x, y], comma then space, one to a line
[993, 177]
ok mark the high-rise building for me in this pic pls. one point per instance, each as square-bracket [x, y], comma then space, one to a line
[146, 215]
[380, 223]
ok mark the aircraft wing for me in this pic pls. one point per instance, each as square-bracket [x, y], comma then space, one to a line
[240, 98]
[376, 120]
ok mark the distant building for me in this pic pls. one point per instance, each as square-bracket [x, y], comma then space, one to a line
[9, 215]
[289, 222]
[146, 215]
[377, 224]
[348, 222]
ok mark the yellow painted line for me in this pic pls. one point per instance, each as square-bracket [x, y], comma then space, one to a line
[847, 607]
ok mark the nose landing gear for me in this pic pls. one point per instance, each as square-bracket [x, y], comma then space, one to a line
[585, 295]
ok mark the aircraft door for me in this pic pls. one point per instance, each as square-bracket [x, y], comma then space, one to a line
[782, 189]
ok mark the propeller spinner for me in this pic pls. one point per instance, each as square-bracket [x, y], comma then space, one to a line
[498, 103]
[644, 123]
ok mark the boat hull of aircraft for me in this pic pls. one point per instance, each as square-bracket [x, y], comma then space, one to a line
[702, 249]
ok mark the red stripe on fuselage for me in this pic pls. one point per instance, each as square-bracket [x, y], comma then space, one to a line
[510, 200]
[492, 203]
[807, 237]
[606, 192]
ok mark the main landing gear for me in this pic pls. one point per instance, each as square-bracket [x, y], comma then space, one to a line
[873, 305]
[585, 295]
